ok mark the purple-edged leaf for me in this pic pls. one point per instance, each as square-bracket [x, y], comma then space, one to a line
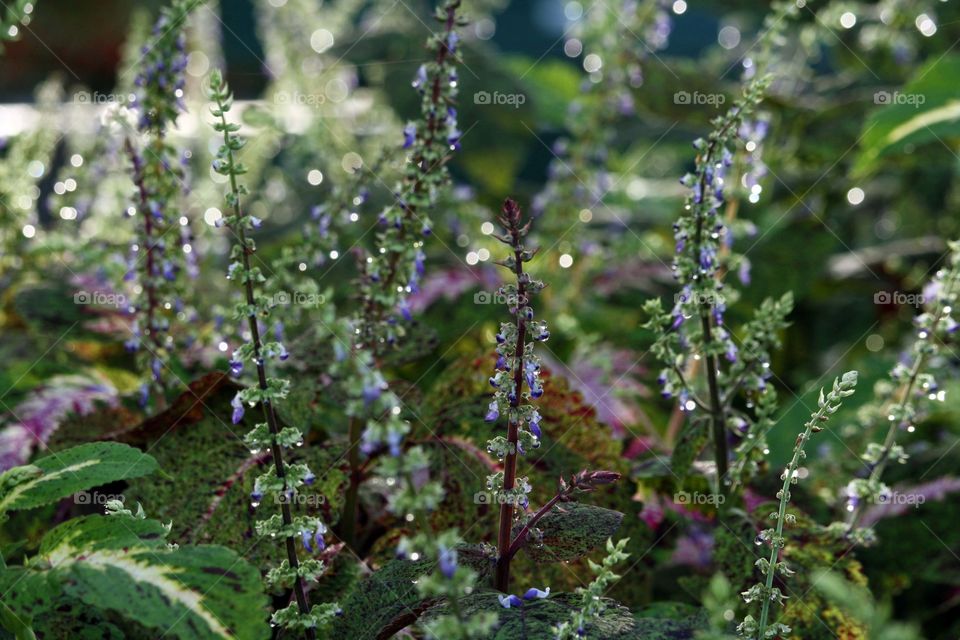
[572, 530]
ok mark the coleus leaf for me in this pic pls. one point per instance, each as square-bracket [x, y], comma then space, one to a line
[57, 476]
[572, 530]
[123, 564]
[388, 601]
[535, 619]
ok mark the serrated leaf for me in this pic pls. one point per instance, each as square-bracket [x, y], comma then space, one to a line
[535, 619]
[572, 530]
[76, 469]
[190, 592]
[389, 599]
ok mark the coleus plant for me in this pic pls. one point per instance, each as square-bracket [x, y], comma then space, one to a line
[161, 253]
[189, 592]
[518, 365]
[283, 481]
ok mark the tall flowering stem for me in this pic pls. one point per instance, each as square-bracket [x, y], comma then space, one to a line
[283, 480]
[393, 270]
[696, 324]
[516, 364]
[765, 592]
[158, 177]
[910, 380]
[391, 274]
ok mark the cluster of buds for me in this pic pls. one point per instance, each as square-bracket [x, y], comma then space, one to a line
[764, 592]
[517, 364]
[592, 602]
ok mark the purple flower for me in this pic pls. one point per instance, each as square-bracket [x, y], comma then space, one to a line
[493, 412]
[418, 261]
[307, 538]
[448, 561]
[394, 439]
[404, 307]
[370, 393]
[236, 367]
[535, 424]
[409, 135]
[237, 405]
[507, 601]
[420, 79]
[309, 479]
[536, 594]
[453, 138]
[452, 39]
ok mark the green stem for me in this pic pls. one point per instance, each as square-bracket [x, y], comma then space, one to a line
[269, 413]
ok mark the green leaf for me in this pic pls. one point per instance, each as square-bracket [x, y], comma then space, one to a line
[572, 530]
[389, 598]
[63, 474]
[26, 594]
[189, 592]
[925, 110]
[535, 619]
